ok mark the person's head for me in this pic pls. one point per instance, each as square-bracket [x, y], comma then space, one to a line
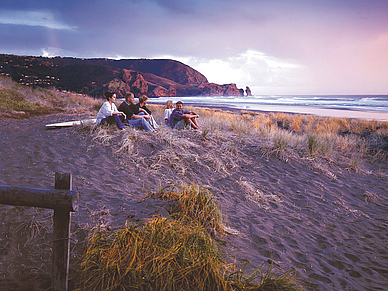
[143, 99]
[169, 104]
[129, 97]
[109, 95]
[179, 105]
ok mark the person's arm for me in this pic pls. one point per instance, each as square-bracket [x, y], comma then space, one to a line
[146, 109]
[193, 113]
[189, 115]
[136, 116]
[115, 111]
[165, 115]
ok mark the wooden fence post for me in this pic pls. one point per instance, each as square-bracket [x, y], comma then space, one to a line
[64, 201]
[61, 237]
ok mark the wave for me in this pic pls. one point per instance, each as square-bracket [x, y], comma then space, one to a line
[344, 102]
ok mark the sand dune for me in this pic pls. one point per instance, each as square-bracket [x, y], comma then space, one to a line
[332, 227]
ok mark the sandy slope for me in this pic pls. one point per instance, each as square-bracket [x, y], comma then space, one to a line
[331, 225]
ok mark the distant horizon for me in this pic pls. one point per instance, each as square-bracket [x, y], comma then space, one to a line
[243, 87]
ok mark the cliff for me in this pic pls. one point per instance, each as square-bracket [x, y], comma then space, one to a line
[152, 77]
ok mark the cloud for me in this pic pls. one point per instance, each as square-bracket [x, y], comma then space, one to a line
[281, 46]
[32, 18]
[263, 73]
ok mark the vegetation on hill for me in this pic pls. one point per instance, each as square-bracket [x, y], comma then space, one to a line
[19, 101]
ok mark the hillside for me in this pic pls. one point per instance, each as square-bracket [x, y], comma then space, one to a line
[152, 77]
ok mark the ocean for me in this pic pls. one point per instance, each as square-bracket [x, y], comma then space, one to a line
[349, 106]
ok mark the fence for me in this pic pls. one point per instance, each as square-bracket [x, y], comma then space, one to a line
[64, 201]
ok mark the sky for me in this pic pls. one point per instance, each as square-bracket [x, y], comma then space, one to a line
[275, 47]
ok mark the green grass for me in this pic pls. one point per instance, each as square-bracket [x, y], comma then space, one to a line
[19, 101]
[13, 100]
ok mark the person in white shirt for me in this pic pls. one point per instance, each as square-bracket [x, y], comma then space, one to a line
[108, 112]
[168, 110]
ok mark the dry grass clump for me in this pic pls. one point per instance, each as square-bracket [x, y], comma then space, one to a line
[341, 142]
[344, 142]
[193, 204]
[174, 253]
[161, 255]
[348, 143]
[256, 195]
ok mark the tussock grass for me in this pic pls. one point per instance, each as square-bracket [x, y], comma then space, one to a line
[193, 204]
[161, 255]
[345, 142]
[323, 142]
[173, 253]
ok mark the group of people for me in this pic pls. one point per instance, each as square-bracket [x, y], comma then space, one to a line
[140, 116]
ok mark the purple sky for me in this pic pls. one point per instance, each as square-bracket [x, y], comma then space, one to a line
[275, 47]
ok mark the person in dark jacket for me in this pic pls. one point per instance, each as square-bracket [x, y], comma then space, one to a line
[135, 120]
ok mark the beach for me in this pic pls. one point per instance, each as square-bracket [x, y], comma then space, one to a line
[368, 107]
[330, 225]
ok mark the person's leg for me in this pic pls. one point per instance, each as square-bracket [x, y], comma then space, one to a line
[135, 123]
[140, 123]
[194, 120]
[108, 120]
[153, 123]
[118, 121]
[191, 124]
[146, 125]
[181, 124]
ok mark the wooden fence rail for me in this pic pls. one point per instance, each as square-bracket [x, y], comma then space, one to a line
[64, 201]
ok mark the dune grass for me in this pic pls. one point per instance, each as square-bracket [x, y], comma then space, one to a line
[173, 253]
[161, 255]
[193, 204]
[322, 142]
[347, 143]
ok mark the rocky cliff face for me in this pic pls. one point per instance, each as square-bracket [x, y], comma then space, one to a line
[127, 81]
[213, 89]
[153, 78]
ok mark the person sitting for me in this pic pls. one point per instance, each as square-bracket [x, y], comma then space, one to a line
[143, 106]
[168, 110]
[135, 120]
[109, 114]
[135, 108]
[181, 118]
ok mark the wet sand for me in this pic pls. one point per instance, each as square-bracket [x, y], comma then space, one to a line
[332, 229]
